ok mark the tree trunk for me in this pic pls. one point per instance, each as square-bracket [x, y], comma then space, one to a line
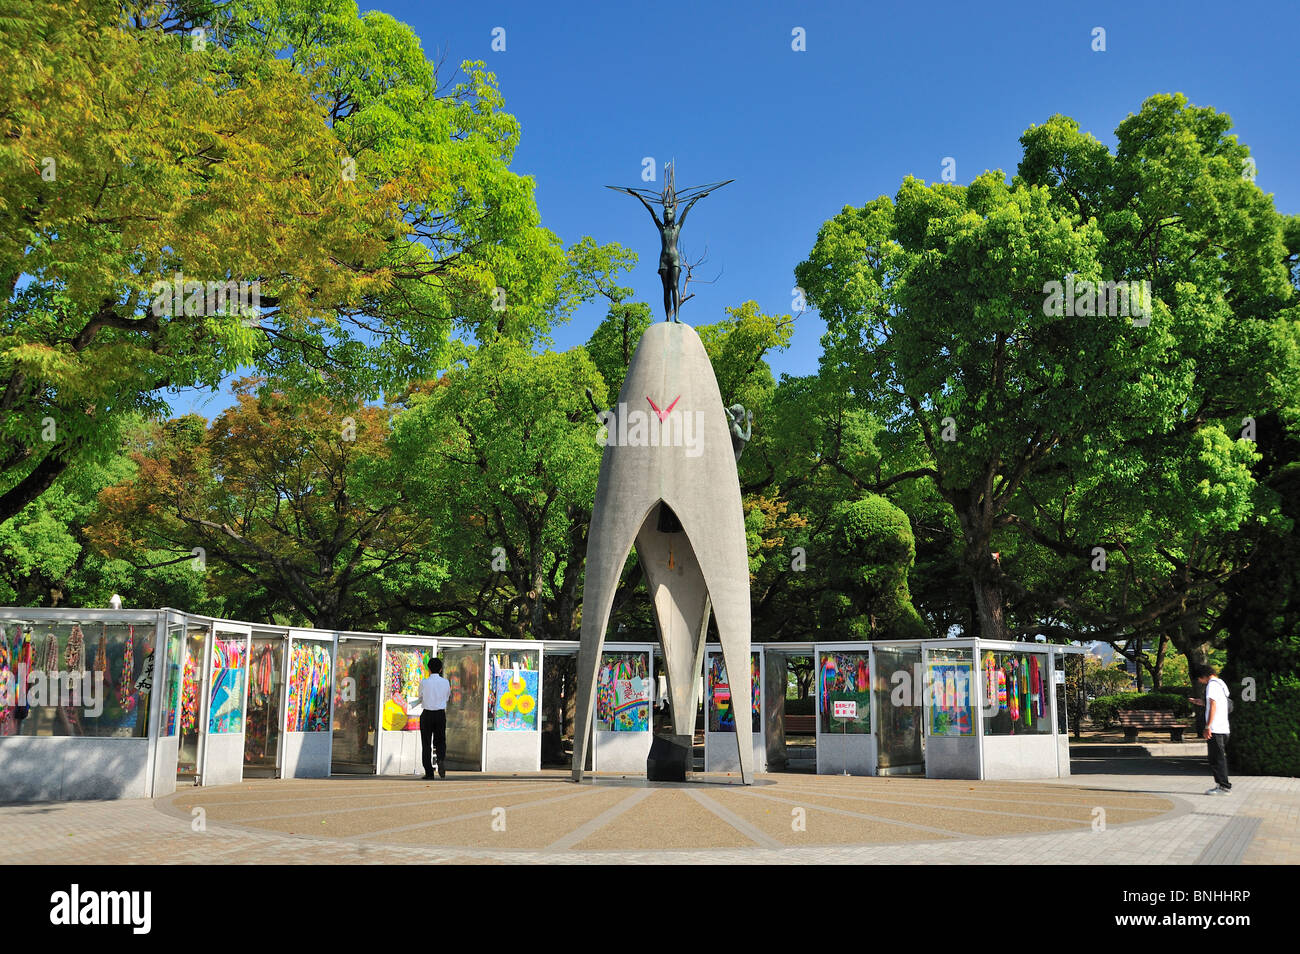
[1158, 673]
[1192, 643]
[992, 611]
[981, 568]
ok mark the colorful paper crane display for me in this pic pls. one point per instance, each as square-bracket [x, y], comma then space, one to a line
[404, 669]
[229, 670]
[1020, 696]
[722, 718]
[623, 693]
[844, 677]
[950, 686]
[309, 688]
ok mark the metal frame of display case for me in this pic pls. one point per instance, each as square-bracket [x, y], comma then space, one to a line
[274, 633]
[398, 751]
[456, 733]
[718, 753]
[513, 751]
[625, 752]
[219, 763]
[858, 750]
[946, 755]
[340, 637]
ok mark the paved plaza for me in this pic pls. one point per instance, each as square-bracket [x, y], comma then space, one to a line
[1118, 811]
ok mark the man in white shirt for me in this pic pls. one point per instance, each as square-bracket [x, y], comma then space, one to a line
[1216, 725]
[434, 693]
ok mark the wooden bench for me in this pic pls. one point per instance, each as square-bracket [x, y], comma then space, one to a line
[1133, 721]
[800, 724]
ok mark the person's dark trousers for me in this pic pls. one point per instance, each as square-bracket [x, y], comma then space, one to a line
[440, 738]
[1218, 745]
[433, 728]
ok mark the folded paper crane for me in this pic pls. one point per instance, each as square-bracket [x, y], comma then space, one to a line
[668, 483]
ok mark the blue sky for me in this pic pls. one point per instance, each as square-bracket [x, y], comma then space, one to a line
[882, 91]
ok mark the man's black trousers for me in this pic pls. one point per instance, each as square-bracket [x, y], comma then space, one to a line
[1218, 744]
[433, 726]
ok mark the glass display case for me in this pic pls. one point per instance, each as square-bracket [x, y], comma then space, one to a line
[463, 667]
[513, 704]
[625, 700]
[189, 699]
[265, 702]
[721, 751]
[356, 705]
[296, 702]
[81, 679]
[991, 712]
[900, 713]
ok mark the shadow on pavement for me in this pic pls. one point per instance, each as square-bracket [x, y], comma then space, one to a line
[1176, 765]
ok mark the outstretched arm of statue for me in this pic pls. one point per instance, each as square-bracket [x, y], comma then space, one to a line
[640, 198]
[649, 208]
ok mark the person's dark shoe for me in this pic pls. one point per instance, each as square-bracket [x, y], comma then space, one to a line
[442, 772]
[429, 777]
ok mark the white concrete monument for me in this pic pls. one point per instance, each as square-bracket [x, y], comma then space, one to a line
[668, 483]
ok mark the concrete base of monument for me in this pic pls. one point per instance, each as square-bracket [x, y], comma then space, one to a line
[670, 756]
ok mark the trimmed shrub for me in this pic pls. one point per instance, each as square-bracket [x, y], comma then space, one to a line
[800, 706]
[1265, 737]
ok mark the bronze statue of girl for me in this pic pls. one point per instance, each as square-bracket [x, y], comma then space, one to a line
[670, 228]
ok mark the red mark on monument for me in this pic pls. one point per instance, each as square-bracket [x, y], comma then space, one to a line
[665, 413]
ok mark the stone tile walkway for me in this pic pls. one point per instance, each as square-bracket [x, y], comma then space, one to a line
[1110, 812]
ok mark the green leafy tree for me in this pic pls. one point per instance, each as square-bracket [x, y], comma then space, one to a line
[1262, 617]
[289, 497]
[1045, 433]
[501, 456]
[48, 559]
[870, 549]
[295, 146]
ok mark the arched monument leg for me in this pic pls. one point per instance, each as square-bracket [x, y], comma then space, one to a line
[608, 543]
[735, 653]
[724, 565]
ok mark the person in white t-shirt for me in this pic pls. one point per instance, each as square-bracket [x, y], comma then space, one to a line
[1216, 725]
[435, 690]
